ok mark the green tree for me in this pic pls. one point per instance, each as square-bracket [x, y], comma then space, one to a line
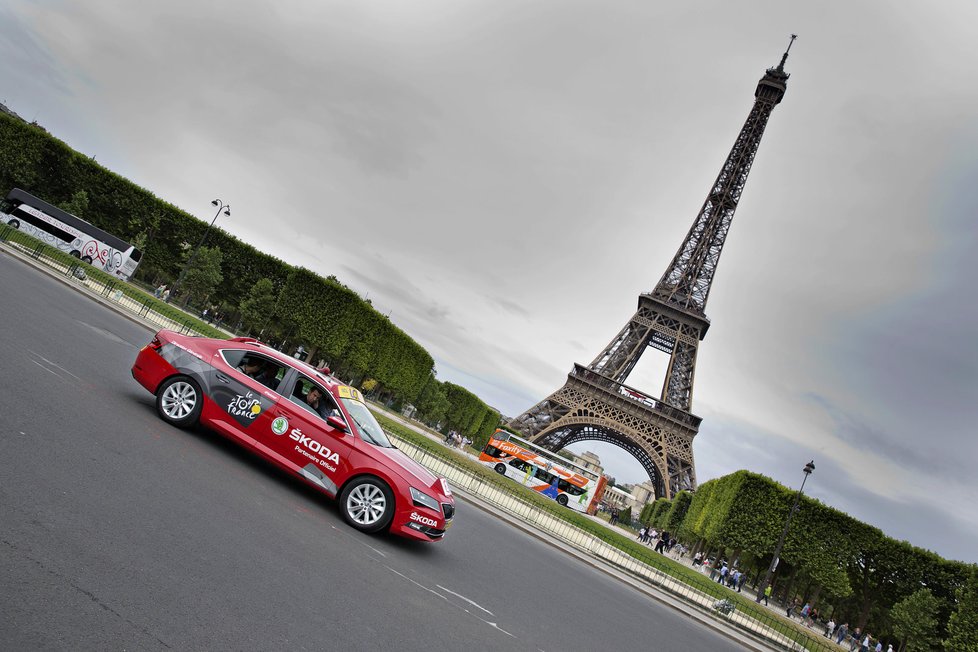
[915, 620]
[257, 308]
[625, 517]
[962, 627]
[677, 512]
[77, 205]
[432, 403]
[204, 274]
[490, 421]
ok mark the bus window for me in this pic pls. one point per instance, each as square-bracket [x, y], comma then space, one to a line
[492, 451]
[569, 488]
[60, 234]
[545, 476]
[519, 464]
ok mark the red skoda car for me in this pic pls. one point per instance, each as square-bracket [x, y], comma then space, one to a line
[300, 419]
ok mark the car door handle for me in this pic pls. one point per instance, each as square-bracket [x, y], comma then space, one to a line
[222, 378]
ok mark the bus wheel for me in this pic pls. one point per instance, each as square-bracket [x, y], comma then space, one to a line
[87, 259]
[75, 253]
[367, 504]
[14, 223]
[501, 469]
[179, 401]
[562, 500]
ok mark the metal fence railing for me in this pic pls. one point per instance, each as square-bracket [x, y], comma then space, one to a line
[128, 297]
[692, 587]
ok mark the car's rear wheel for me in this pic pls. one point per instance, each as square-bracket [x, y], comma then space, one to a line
[179, 401]
[500, 468]
[14, 223]
[367, 504]
[87, 259]
[562, 500]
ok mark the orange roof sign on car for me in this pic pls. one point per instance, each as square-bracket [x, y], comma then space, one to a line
[346, 391]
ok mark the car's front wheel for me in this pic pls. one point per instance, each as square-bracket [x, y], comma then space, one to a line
[562, 500]
[367, 504]
[500, 468]
[179, 401]
[14, 224]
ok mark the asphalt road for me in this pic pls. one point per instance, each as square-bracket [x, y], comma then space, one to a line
[120, 532]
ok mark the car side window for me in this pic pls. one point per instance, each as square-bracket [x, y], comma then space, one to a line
[233, 356]
[258, 367]
[313, 398]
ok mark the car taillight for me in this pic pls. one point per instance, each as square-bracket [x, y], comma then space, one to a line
[156, 345]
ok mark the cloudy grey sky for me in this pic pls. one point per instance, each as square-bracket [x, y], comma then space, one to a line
[505, 178]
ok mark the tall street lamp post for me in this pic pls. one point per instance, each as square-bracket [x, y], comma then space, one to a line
[784, 533]
[221, 207]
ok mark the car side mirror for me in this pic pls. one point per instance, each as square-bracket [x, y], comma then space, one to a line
[337, 423]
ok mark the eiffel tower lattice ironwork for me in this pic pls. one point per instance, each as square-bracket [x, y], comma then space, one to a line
[595, 403]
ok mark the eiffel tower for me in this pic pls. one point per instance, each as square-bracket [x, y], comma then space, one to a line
[595, 403]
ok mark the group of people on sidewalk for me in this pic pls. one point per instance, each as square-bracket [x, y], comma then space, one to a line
[454, 440]
[855, 639]
[720, 572]
[664, 542]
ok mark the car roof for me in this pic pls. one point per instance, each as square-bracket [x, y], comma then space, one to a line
[250, 343]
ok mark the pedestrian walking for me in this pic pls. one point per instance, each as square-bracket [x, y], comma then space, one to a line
[830, 628]
[841, 632]
[767, 593]
[791, 608]
[865, 646]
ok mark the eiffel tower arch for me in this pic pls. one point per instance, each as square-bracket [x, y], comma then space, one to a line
[595, 403]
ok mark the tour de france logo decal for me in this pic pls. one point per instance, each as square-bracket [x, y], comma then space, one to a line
[280, 426]
[245, 407]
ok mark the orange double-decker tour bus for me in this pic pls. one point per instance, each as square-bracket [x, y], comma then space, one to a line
[541, 470]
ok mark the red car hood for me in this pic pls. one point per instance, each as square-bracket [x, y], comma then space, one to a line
[399, 461]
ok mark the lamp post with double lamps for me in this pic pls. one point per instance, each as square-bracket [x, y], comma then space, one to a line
[784, 533]
[221, 207]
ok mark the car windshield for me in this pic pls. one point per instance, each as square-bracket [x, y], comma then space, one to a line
[369, 429]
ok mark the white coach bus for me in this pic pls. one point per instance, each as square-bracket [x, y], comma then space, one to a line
[70, 234]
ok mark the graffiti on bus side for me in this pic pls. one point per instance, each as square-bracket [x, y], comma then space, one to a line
[92, 251]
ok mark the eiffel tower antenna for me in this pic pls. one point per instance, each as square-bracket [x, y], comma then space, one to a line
[784, 57]
[595, 403]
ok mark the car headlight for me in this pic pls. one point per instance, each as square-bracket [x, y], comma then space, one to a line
[424, 500]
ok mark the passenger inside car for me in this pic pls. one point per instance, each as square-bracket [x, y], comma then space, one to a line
[312, 398]
[261, 370]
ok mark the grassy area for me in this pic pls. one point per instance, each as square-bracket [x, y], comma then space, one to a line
[693, 578]
[111, 283]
